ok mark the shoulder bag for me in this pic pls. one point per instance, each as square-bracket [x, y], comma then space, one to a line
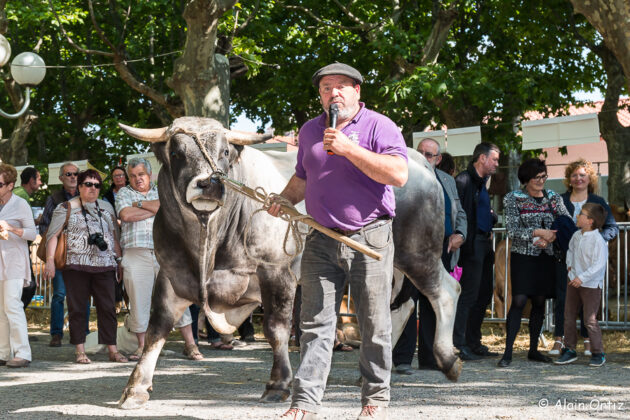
[60, 251]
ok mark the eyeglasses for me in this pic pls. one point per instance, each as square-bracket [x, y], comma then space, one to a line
[71, 174]
[119, 176]
[92, 184]
[430, 155]
[2, 184]
[540, 178]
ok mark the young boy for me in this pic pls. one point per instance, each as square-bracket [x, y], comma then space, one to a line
[586, 263]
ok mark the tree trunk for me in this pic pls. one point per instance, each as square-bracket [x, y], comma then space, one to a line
[611, 18]
[617, 136]
[13, 150]
[201, 78]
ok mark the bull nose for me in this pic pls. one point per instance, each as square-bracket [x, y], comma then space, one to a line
[207, 183]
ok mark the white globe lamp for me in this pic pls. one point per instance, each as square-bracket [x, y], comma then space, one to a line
[28, 69]
[5, 51]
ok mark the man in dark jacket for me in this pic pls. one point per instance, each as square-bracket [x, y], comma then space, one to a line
[476, 256]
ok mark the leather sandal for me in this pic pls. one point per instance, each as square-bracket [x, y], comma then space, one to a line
[219, 345]
[342, 347]
[135, 356]
[192, 352]
[117, 357]
[82, 358]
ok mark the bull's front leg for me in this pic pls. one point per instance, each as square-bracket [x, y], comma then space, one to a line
[278, 291]
[167, 307]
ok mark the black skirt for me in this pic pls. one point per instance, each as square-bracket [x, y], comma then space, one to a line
[533, 276]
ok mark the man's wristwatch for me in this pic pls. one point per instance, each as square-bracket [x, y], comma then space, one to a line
[139, 204]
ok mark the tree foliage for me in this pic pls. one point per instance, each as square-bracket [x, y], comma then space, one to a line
[427, 63]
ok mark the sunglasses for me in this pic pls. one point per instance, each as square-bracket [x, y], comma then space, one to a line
[3, 184]
[92, 184]
[71, 174]
[430, 155]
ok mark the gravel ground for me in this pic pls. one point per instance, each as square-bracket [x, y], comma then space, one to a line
[227, 384]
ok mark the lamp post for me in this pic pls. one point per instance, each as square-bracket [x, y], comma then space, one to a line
[27, 69]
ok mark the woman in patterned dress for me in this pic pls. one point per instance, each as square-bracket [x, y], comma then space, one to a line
[92, 259]
[529, 213]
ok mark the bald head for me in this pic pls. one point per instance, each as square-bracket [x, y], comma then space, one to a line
[430, 148]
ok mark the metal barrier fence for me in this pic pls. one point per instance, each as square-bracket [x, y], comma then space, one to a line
[614, 306]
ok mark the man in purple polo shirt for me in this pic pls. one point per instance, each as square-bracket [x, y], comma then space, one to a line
[351, 192]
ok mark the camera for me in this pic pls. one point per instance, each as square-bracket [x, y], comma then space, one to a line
[98, 240]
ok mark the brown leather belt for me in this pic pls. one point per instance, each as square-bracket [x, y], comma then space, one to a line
[353, 232]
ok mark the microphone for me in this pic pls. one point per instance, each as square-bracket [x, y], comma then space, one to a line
[332, 114]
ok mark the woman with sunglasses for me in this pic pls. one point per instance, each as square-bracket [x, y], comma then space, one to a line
[581, 181]
[16, 227]
[529, 213]
[92, 259]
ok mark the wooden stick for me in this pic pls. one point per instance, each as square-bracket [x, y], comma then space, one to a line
[258, 196]
[335, 235]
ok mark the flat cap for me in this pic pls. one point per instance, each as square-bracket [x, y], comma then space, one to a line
[337, 68]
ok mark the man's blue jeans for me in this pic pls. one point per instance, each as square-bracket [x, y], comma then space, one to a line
[57, 310]
[327, 265]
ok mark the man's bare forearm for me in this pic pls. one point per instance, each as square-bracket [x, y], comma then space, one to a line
[294, 191]
[134, 214]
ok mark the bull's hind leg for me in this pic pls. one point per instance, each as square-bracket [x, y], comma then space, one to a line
[278, 291]
[167, 307]
[445, 305]
[442, 290]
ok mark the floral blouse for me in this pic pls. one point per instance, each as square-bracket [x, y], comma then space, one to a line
[524, 214]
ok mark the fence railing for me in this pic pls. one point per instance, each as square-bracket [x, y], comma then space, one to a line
[614, 306]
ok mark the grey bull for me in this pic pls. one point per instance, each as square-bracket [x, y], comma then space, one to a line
[199, 236]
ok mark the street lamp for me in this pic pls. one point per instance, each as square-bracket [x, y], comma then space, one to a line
[27, 69]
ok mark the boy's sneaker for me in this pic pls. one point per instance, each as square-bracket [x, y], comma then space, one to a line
[597, 360]
[568, 356]
[558, 345]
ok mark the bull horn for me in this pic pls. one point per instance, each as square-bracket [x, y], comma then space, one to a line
[243, 138]
[153, 135]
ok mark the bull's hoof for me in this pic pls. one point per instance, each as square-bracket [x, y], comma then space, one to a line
[455, 370]
[274, 396]
[132, 400]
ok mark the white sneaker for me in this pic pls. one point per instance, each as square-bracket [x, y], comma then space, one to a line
[558, 345]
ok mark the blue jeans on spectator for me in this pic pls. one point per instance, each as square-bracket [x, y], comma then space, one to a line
[57, 310]
[327, 265]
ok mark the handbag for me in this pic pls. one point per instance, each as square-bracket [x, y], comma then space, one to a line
[60, 251]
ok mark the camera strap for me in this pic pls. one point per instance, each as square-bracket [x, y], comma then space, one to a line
[100, 219]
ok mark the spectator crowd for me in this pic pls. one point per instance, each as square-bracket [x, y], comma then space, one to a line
[558, 251]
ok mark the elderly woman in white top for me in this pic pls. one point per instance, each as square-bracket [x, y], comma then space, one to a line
[16, 227]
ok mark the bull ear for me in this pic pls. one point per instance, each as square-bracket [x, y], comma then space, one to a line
[243, 138]
[153, 135]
